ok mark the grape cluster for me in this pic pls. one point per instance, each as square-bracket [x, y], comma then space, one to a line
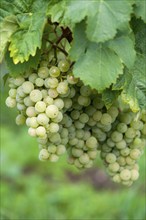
[67, 116]
[123, 147]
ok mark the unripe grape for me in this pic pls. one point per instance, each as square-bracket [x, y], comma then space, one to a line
[114, 167]
[125, 175]
[76, 152]
[44, 93]
[53, 93]
[40, 131]
[44, 155]
[28, 102]
[130, 133]
[36, 95]
[116, 136]
[32, 132]
[59, 103]
[40, 106]
[106, 119]
[135, 154]
[111, 158]
[125, 152]
[33, 122]
[52, 111]
[43, 72]
[12, 93]
[54, 71]
[39, 82]
[71, 79]
[91, 142]
[18, 81]
[122, 127]
[84, 100]
[84, 159]
[21, 107]
[20, 119]
[97, 116]
[27, 87]
[48, 100]
[78, 164]
[30, 111]
[42, 119]
[53, 158]
[63, 65]
[10, 102]
[61, 149]
[85, 91]
[62, 88]
[33, 77]
[54, 127]
[134, 175]
[52, 148]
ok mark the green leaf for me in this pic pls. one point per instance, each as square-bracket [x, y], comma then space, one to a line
[31, 16]
[140, 10]
[79, 43]
[24, 42]
[56, 11]
[134, 91]
[99, 67]
[20, 68]
[7, 28]
[124, 47]
[104, 17]
[109, 97]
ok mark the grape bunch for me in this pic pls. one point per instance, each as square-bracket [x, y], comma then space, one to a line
[123, 147]
[67, 116]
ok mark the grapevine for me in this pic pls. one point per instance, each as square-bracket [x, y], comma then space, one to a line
[78, 92]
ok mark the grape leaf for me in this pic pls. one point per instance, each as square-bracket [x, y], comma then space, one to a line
[109, 97]
[134, 91]
[104, 17]
[140, 9]
[79, 43]
[20, 68]
[99, 67]
[124, 47]
[7, 28]
[31, 16]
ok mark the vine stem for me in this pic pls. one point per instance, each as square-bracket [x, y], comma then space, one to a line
[59, 48]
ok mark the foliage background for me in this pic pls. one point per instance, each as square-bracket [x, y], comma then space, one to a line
[35, 190]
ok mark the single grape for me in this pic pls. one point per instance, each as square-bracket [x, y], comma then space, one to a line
[40, 106]
[27, 87]
[63, 65]
[20, 119]
[40, 131]
[91, 142]
[42, 119]
[54, 127]
[39, 82]
[10, 102]
[52, 111]
[36, 95]
[54, 71]
[43, 155]
[43, 72]
[125, 175]
[111, 158]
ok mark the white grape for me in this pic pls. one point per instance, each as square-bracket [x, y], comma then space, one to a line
[52, 111]
[40, 106]
[36, 95]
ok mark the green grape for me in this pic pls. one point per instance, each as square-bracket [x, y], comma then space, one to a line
[92, 154]
[97, 116]
[79, 125]
[48, 100]
[39, 82]
[21, 107]
[110, 158]
[43, 72]
[85, 91]
[137, 125]
[71, 79]
[125, 175]
[43, 155]
[54, 127]
[98, 103]
[91, 142]
[91, 122]
[121, 144]
[76, 152]
[53, 93]
[32, 132]
[106, 148]
[125, 152]
[110, 143]
[52, 111]
[62, 88]
[116, 136]
[20, 119]
[134, 175]
[64, 66]
[40, 131]
[67, 103]
[121, 161]
[114, 167]
[42, 141]
[75, 114]
[27, 87]
[33, 122]
[18, 81]
[44, 93]
[51, 83]
[20, 92]
[89, 164]
[40, 106]
[106, 119]
[59, 103]
[113, 112]
[80, 144]
[61, 149]
[130, 133]
[30, 111]
[90, 110]
[28, 102]
[73, 141]
[130, 161]
[135, 154]
[84, 100]
[36, 95]
[72, 93]
[58, 118]
[78, 164]
[84, 159]
[42, 119]
[55, 138]
[122, 127]
[12, 93]
[52, 148]
[54, 71]
[116, 178]
[53, 158]
[80, 133]
[126, 118]
[32, 77]
[10, 102]
[144, 130]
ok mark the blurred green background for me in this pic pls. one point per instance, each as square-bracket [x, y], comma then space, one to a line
[36, 190]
